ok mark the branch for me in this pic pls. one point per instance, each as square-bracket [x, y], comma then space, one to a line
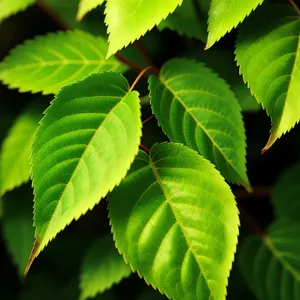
[292, 2]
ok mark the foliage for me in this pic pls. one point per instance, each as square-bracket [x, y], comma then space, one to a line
[148, 132]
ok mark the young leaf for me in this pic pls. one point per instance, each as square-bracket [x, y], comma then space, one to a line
[179, 224]
[49, 62]
[269, 61]
[86, 6]
[224, 15]
[285, 194]
[196, 107]
[129, 20]
[271, 266]
[102, 267]
[8, 7]
[18, 231]
[14, 155]
[83, 148]
[185, 20]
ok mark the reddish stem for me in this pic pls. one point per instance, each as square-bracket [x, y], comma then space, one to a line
[150, 68]
[292, 2]
[148, 119]
[129, 63]
[146, 149]
[140, 47]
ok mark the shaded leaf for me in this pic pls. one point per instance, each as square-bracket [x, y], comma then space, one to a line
[271, 266]
[285, 193]
[196, 107]
[8, 7]
[129, 20]
[179, 217]
[18, 231]
[47, 63]
[269, 61]
[186, 21]
[86, 6]
[78, 153]
[224, 15]
[102, 267]
[14, 156]
[222, 62]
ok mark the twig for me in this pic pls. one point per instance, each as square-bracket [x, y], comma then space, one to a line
[258, 191]
[129, 63]
[150, 68]
[140, 47]
[146, 149]
[148, 119]
[292, 2]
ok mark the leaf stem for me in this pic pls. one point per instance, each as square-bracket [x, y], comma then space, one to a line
[148, 119]
[146, 149]
[129, 63]
[140, 47]
[292, 2]
[150, 68]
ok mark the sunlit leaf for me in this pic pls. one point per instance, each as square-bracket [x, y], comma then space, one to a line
[175, 221]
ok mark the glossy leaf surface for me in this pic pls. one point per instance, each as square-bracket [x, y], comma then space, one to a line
[269, 61]
[175, 221]
[47, 63]
[78, 154]
[127, 21]
[196, 107]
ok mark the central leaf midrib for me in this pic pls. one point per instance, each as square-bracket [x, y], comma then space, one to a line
[80, 159]
[228, 161]
[152, 165]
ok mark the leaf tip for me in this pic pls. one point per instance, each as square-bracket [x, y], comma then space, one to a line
[33, 255]
[271, 141]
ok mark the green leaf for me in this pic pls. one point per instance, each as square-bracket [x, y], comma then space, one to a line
[129, 20]
[49, 62]
[271, 265]
[15, 151]
[222, 62]
[196, 107]
[17, 227]
[102, 267]
[8, 7]
[269, 61]
[179, 224]
[285, 193]
[186, 21]
[86, 6]
[83, 148]
[224, 15]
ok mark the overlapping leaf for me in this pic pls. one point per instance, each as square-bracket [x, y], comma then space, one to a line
[271, 265]
[82, 150]
[102, 267]
[49, 62]
[18, 231]
[285, 193]
[129, 20]
[8, 7]
[86, 6]
[14, 156]
[269, 61]
[224, 15]
[185, 20]
[175, 221]
[195, 107]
